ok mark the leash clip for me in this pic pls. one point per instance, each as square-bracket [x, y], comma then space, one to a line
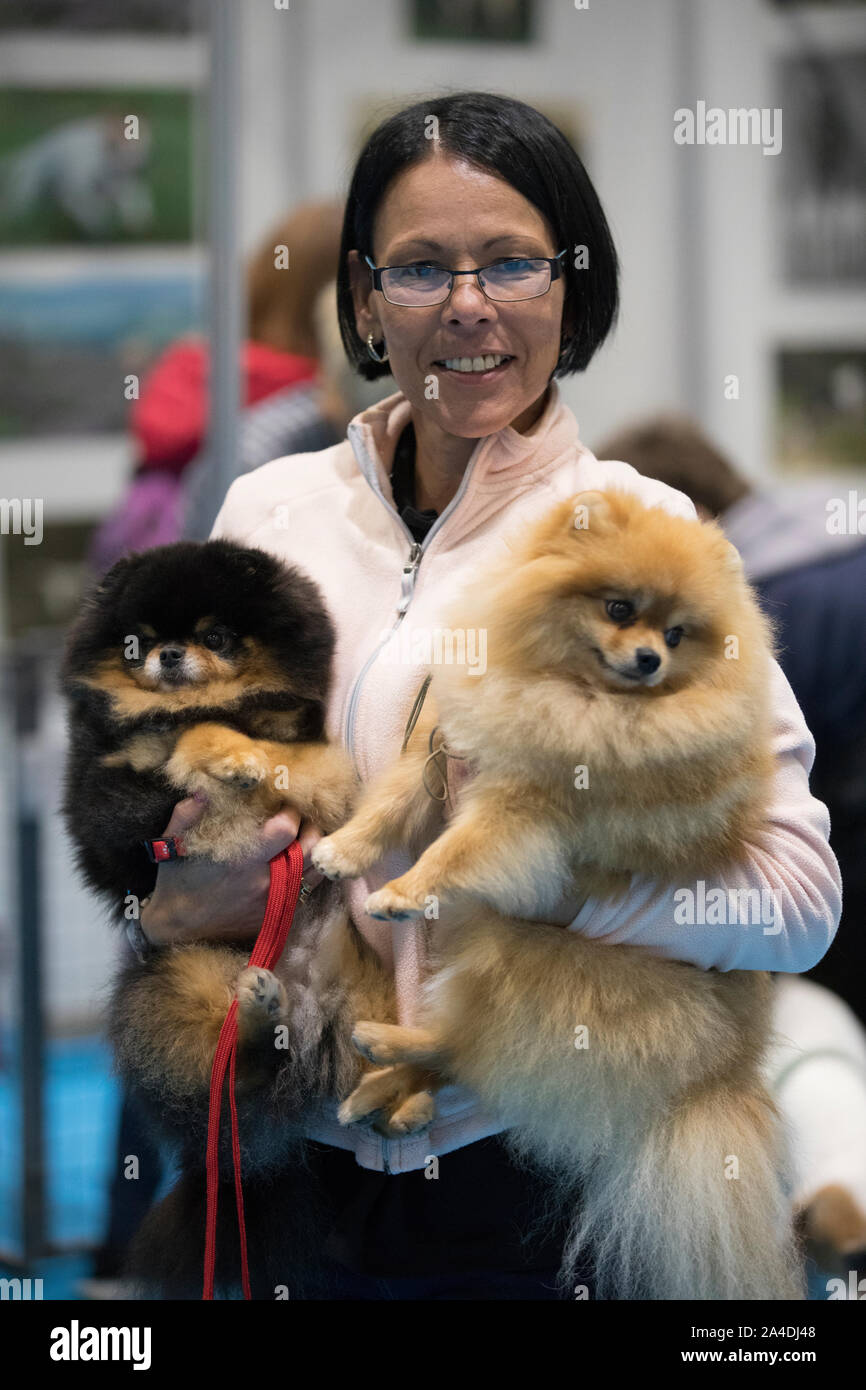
[158, 851]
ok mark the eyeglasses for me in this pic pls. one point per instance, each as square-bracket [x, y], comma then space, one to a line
[423, 284]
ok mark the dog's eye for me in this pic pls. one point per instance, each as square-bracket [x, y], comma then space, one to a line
[620, 609]
[214, 640]
[673, 635]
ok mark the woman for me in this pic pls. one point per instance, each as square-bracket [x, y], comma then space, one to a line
[471, 228]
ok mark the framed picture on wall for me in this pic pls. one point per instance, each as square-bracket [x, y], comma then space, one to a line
[490, 21]
[822, 211]
[145, 16]
[95, 166]
[72, 331]
[821, 410]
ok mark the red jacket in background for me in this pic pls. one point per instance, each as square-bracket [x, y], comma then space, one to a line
[169, 421]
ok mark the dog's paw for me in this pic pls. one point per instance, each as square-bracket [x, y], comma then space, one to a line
[332, 856]
[244, 769]
[386, 1099]
[389, 904]
[378, 1042]
[367, 1099]
[260, 994]
[413, 1115]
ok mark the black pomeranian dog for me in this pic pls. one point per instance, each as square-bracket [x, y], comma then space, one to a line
[206, 667]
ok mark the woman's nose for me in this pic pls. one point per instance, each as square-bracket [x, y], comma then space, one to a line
[468, 299]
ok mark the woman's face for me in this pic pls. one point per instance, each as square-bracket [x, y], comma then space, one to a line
[447, 211]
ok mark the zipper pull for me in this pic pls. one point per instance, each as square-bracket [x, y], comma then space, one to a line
[407, 583]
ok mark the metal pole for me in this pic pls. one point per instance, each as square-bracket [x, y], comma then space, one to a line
[27, 677]
[225, 324]
[690, 220]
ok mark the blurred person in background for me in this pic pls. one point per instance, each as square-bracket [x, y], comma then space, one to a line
[280, 366]
[812, 582]
[299, 420]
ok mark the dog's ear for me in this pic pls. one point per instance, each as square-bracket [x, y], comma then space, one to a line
[733, 560]
[591, 511]
[250, 561]
[114, 579]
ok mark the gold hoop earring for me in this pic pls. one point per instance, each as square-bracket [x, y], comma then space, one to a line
[372, 351]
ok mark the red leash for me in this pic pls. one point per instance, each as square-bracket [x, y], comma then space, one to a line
[286, 869]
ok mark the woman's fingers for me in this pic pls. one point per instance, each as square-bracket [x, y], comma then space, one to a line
[281, 830]
[309, 836]
[185, 814]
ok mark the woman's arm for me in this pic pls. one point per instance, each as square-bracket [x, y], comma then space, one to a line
[793, 874]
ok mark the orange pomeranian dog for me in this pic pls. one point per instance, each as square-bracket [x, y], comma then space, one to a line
[625, 646]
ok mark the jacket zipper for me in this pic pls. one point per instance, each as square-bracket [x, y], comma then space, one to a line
[407, 590]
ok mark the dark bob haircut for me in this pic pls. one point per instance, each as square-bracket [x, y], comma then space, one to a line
[509, 138]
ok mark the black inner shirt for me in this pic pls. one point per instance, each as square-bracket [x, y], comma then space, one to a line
[403, 486]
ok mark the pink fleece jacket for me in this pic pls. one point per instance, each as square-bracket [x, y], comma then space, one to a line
[331, 513]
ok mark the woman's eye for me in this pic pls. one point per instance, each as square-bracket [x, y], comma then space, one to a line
[620, 609]
[419, 271]
[673, 635]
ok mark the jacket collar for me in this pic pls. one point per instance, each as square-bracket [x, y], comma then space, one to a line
[502, 459]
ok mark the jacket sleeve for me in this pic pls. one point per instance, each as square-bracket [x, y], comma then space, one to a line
[788, 914]
[237, 517]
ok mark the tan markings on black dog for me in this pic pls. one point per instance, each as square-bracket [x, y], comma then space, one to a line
[143, 752]
[281, 725]
[183, 1009]
[117, 678]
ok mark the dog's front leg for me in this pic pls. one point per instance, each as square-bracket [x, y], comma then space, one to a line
[396, 809]
[214, 751]
[490, 851]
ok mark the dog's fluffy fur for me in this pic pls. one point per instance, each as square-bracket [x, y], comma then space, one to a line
[207, 667]
[662, 1120]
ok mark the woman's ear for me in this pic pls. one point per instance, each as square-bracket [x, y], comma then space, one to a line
[361, 284]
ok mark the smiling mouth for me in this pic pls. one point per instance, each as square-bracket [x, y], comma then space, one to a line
[483, 364]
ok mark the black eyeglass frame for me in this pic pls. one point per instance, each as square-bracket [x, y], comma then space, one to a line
[552, 261]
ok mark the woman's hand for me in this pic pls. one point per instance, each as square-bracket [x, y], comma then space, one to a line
[196, 899]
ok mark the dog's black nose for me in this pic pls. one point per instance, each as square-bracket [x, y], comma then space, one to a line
[647, 661]
[171, 656]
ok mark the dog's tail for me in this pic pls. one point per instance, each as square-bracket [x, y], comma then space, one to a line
[693, 1206]
[657, 1133]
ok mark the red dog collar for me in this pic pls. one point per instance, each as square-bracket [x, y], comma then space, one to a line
[160, 850]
